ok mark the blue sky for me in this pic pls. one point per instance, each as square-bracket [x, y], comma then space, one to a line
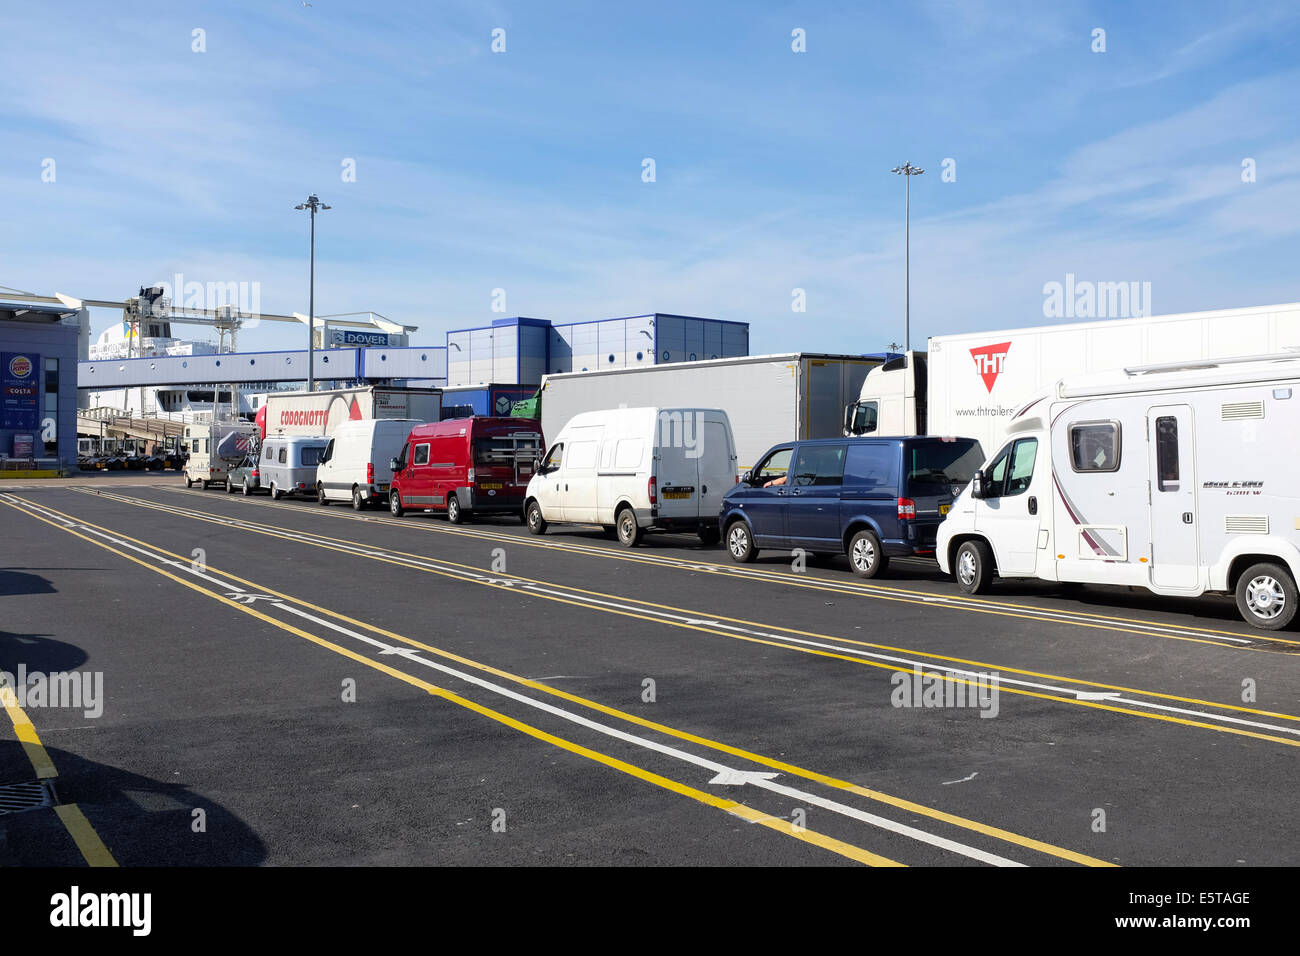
[522, 170]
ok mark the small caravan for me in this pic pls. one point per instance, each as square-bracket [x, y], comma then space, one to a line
[632, 470]
[1178, 478]
[288, 463]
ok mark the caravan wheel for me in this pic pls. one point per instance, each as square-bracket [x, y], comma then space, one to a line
[1266, 596]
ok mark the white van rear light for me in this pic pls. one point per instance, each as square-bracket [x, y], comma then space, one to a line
[370, 472]
[652, 490]
[906, 509]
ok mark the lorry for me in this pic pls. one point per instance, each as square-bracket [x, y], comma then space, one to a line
[215, 448]
[972, 384]
[767, 398]
[315, 414]
[1176, 477]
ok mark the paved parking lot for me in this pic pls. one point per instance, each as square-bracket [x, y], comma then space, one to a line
[284, 683]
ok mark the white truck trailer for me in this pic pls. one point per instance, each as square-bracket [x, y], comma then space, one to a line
[319, 413]
[973, 384]
[768, 398]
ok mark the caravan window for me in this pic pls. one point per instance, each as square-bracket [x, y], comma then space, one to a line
[311, 455]
[284, 456]
[1095, 446]
[270, 453]
[1167, 453]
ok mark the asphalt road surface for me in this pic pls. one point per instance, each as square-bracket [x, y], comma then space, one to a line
[282, 683]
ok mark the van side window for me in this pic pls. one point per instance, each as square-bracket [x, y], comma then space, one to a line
[1022, 466]
[628, 453]
[1167, 453]
[819, 465]
[554, 459]
[1095, 446]
[421, 456]
[774, 467]
[871, 468]
[284, 454]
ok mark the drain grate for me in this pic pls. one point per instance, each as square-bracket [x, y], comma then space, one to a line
[17, 797]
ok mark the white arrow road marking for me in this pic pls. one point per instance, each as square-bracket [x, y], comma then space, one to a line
[962, 780]
[411, 653]
[736, 778]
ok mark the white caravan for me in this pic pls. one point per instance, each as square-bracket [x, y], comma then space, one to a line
[355, 466]
[1179, 478]
[632, 470]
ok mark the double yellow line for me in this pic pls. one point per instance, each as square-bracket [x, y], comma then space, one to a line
[780, 825]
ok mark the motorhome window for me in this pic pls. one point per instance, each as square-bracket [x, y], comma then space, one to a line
[775, 466]
[310, 455]
[582, 454]
[1022, 466]
[995, 474]
[270, 453]
[195, 449]
[554, 459]
[943, 463]
[1167, 453]
[421, 456]
[1095, 446]
[284, 454]
[628, 453]
[819, 465]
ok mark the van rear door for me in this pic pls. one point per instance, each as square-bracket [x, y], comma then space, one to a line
[677, 436]
[715, 465]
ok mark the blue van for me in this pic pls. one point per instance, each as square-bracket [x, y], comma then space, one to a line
[869, 498]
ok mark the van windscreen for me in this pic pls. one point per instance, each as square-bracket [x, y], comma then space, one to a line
[943, 463]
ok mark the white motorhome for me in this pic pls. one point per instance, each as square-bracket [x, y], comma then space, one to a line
[214, 448]
[356, 465]
[971, 383]
[1180, 478]
[632, 470]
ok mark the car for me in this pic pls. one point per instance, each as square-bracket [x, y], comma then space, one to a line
[243, 477]
[869, 498]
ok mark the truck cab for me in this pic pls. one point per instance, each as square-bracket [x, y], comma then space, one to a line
[892, 399]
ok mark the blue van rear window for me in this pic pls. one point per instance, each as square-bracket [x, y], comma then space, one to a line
[943, 463]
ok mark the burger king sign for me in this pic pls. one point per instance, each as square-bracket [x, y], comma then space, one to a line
[19, 390]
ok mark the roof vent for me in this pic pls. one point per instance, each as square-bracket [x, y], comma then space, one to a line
[1239, 411]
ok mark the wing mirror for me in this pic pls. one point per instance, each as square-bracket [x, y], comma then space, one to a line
[394, 464]
[977, 485]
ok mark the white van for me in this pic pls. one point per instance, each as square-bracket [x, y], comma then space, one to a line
[1177, 478]
[288, 463]
[632, 470]
[355, 466]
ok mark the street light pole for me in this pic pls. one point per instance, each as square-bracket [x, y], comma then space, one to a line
[907, 171]
[313, 204]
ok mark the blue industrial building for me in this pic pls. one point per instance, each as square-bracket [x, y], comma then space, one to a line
[38, 386]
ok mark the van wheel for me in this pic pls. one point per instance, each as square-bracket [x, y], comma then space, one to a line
[533, 518]
[454, 515]
[1266, 596]
[395, 504]
[275, 492]
[358, 503]
[188, 483]
[629, 532]
[320, 494]
[709, 536]
[974, 566]
[866, 556]
[740, 543]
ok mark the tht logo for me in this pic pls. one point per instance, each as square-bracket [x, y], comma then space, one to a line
[989, 362]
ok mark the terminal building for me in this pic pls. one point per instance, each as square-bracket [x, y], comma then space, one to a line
[39, 347]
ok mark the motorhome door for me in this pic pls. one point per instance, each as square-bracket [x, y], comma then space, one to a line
[1175, 551]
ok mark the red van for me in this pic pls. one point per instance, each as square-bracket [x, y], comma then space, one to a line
[466, 466]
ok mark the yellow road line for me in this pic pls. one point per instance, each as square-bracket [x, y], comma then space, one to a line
[847, 585]
[348, 546]
[829, 843]
[908, 805]
[74, 821]
[83, 834]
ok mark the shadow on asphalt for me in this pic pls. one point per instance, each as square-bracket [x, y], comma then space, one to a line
[14, 581]
[144, 822]
[38, 652]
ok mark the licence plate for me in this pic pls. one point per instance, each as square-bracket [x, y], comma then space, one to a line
[677, 494]
[944, 509]
[494, 485]
[383, 486]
